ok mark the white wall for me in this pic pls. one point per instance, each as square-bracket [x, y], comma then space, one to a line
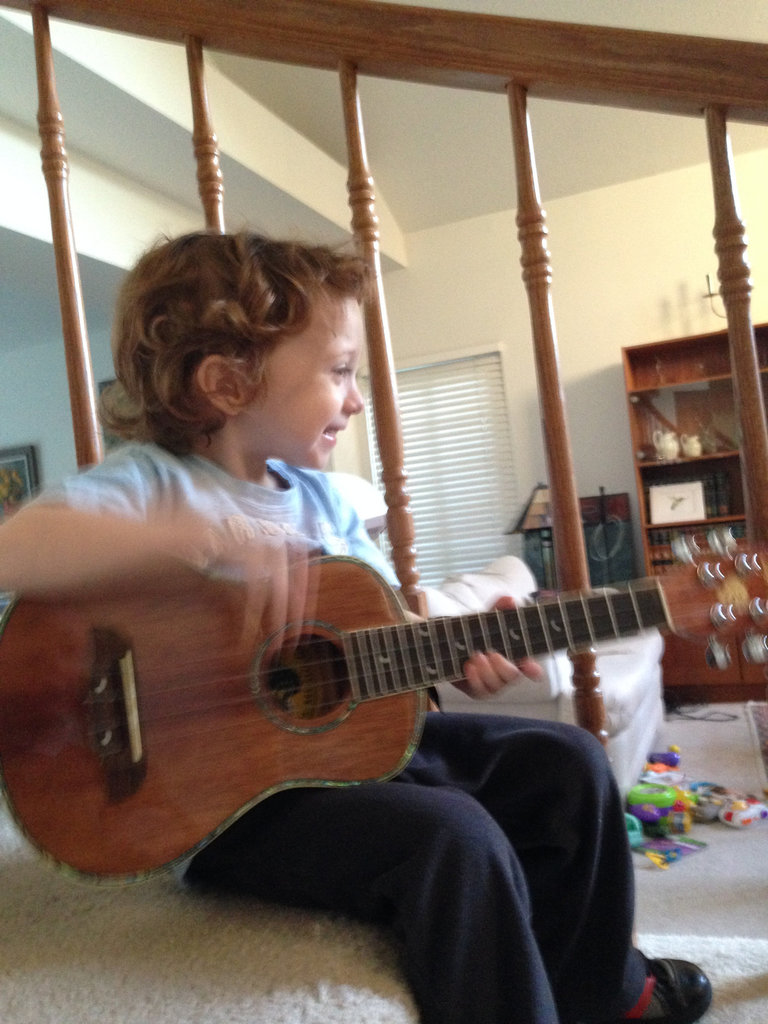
[36, 407]
[630, 265]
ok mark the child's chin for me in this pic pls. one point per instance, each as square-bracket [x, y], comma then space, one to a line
[316, 460]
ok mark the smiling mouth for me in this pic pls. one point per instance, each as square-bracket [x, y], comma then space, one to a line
[332, 432]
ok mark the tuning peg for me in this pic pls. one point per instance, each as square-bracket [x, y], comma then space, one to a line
[755, 648]
[745, 564]
[685, 549]
[758, 611]
[718, 655]
[722, 615]
[710, 574]
[722, 541]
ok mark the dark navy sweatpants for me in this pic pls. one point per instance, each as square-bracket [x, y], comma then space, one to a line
[498, 859]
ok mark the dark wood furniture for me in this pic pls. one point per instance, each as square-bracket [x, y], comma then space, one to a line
[685, 387]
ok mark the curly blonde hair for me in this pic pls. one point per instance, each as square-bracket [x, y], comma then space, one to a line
[200, 294]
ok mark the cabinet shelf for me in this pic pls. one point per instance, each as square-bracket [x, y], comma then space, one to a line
[684, 386]
[688, 460]
[689, 525]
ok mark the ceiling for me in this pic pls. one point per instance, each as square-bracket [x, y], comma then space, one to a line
[441, 155]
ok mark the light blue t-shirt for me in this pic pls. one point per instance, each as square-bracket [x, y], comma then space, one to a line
[137, 479]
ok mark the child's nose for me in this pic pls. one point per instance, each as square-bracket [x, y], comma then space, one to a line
[354, 402]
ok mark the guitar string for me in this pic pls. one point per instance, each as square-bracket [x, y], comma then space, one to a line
[339, 689]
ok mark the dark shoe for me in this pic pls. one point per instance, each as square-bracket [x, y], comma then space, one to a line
[681, 995]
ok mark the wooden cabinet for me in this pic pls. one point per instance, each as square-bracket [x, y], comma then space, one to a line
[680, 392]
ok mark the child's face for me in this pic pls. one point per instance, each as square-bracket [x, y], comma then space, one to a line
[310, 388]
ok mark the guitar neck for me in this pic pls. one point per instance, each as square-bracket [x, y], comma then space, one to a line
[410, 656]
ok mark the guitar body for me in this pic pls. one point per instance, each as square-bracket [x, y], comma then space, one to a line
[135, 728]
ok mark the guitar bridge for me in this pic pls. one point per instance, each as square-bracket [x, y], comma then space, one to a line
[115, 725]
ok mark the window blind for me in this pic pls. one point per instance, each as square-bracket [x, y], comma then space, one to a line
[459, 460]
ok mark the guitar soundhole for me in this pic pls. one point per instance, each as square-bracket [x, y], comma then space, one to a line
[305, 685]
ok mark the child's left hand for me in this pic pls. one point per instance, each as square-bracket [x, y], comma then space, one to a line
[487, 673]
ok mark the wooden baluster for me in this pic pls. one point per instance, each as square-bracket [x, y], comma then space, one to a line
[735, 288]
[88, 443]
[365, 225]
[204, 141]
[570, 550]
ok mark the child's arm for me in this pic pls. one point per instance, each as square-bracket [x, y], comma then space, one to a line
[50, 548]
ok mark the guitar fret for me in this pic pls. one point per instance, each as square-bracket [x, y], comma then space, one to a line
[533, 627]
[397, 651]
[407, 649]
[581, 612]
[475, 632]
[515, 640]
[461, 643]
[556, 628]
[625, 613]
[567, 624]
[431, 662]
[366, 687]
[651, 609]
[447, 649]
[601, 617]
[497, 634]
[377, 680]
[356, 673]
[385, 671]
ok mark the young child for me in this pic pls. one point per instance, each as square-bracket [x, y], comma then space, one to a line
[498, 858]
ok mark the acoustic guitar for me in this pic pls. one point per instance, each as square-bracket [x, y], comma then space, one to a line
[135, 727]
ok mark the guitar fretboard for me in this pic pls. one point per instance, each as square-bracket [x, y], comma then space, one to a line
[409, 656]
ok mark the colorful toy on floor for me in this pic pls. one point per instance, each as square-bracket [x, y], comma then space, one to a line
[664, 767]
[663, 852]
[670, 758]
[666, 802]
[634, 830]
[715, 802]
[652, 803]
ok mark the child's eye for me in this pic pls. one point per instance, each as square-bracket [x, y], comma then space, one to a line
[343, 371]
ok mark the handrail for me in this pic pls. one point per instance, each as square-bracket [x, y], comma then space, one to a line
[653, 71]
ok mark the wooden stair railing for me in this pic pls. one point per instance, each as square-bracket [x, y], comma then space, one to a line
[567, 532]
[736, 288]
[209, 177]
[365, 225]
[82, 395]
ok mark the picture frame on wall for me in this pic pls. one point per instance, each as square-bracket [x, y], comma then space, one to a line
[19, 477]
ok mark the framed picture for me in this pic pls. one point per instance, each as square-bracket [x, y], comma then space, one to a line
[677, 503]
[18, 477]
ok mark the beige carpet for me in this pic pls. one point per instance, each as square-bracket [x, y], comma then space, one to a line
[72, 953]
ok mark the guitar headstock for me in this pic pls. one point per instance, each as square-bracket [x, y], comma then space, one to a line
[720, 594]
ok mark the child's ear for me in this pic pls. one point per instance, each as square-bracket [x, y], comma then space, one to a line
[222, 384]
